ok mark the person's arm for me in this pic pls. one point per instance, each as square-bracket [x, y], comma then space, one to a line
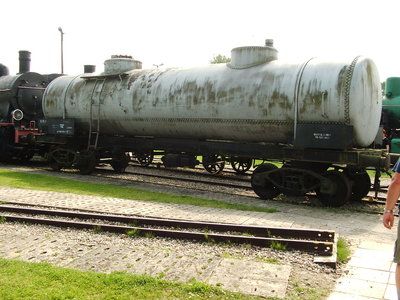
[391, 200]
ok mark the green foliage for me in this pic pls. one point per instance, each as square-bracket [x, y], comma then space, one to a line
[220, 59]
[302, 291]
[269, 260]
[50, 183]
[97, 229]
[133, 232]
[278, 246]
[343, 250]
[149, 235]
[208, 239]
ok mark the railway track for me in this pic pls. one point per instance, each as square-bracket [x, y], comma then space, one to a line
[222, 181]
[226, 184]
[215, 181]
[319, 242]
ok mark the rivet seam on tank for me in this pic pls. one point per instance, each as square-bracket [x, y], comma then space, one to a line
[349, 76]
[224, 121]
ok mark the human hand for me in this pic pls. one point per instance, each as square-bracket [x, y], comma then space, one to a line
[388, 220]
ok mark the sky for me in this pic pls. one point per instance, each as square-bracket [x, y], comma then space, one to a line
[179, 33]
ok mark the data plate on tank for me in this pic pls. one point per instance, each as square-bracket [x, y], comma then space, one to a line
[57, 126]
[326, 136]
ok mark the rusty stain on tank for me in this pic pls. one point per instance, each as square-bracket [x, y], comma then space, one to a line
[278, 99]
[341, 80]
[312, 102]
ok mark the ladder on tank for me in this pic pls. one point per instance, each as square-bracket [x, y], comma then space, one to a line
[94, 118]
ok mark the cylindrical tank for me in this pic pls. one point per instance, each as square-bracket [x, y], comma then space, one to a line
[259, 103]
[24, 92]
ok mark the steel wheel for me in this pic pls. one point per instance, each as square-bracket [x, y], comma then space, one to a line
[86, 162]
[264, 188]
[120, 162]
[60, 157]
[55, 166]
[361, 186]
[339, 189]
[214, 164]
[6, 137]
[241, 164]
[26, 156]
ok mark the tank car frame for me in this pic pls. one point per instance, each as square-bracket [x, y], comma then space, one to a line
[337, 176]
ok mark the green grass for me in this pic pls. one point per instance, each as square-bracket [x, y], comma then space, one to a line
[343, 251]
[302, 291]
[49, 183]
[21, 280]
[371, 174]
[278, 246]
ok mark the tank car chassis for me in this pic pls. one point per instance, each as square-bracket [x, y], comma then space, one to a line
[336, 176]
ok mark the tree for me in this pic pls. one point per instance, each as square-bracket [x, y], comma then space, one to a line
[220, 59]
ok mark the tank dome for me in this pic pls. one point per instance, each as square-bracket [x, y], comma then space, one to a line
[120, 64]
[250, 56]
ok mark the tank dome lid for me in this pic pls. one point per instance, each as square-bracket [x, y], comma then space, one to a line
[120, 63]
[250, 56]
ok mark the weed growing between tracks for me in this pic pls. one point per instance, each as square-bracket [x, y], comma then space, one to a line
[278, 246]
[48, 183]
[343, 250]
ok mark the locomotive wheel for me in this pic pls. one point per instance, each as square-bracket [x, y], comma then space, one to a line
[26, 156]
[266, 189]
[59, 158]
[361, 186]
[144, 159]
[241, 164]
[5, 138]
[214, 164]
[120, 162]
[340, 191]
[54, 165]
[86, 162]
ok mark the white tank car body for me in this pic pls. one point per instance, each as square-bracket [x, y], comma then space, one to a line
[256, 98]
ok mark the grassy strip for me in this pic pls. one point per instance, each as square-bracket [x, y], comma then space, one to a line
[49, 183]
[21, 280]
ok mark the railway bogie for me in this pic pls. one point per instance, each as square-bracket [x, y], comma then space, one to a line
[334, 187]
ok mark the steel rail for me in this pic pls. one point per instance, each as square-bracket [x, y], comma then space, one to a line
[262, 231]
[320, 248]
[157, 163]
[191, 180]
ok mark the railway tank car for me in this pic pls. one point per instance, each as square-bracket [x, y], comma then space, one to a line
[20, 109]
[307, 115]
